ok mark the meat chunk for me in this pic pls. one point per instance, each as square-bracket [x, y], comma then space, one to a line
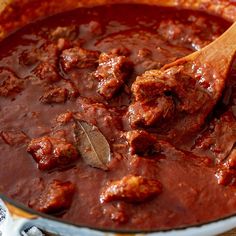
[55, 95]
[151, 103]
[225, 176]
[47, 53]
[66, 32]
[64, 118]
[231, 160]
[226, 173]
[63, 44]
[111, 73]
[56, 198]
[91, 30]
[159, 95]
[151, 84]
[170, 83]
[47, 68]
[72, 90]
[220, 137]
[77, 57]
[132, 189]
[150, 112]
[51, 153]
[141, 142]
[47, 72]
[14, 137]
[29, 58]
[10, 84]
[146, 60]
[116, 212]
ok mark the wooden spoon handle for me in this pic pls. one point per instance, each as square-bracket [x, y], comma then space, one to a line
[219, 54]
[228, 38]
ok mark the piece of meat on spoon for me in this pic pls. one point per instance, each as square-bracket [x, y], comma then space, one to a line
[180, 96]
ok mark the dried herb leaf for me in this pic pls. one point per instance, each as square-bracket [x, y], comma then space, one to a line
[92, 145]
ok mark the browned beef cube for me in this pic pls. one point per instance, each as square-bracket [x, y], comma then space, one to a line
[77, 57]
[116, 212]
[64, 117]
[14, 137]
[141, 142]
[91, 30]
[152, 84]
[69, 32]
[56, 198]
[226, 173]
[231, 159]
[225, 176]
[29, 58]
[149, 113]
[131, 188]
[118, 216]
[49, 53]
[55, 95]
[220, 138]
[47, 72]
[111, 73]
[52, 153]
[48, 62]
[95, 27]
[10, 84]
[63, 44]
[161, 94]
[72, 90]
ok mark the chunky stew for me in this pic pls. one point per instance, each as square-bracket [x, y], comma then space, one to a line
[86, 132]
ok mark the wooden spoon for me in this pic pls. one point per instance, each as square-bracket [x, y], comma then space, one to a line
[195, 82]
[212, 63]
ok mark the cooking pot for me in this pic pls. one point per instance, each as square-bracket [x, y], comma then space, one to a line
[15, 219]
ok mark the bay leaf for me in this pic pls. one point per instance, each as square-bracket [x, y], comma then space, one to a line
[92, 145]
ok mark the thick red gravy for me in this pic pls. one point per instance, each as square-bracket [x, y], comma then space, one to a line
[82, 64]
